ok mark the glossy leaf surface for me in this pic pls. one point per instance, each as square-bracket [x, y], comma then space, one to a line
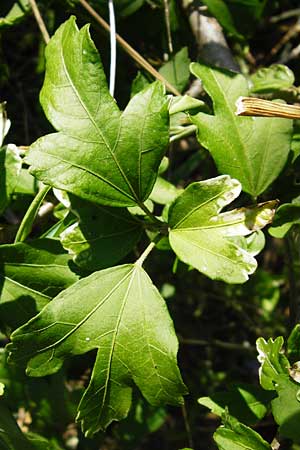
[252, 149]
[98, 153]
[119, 312]
[102, 236]
[202, 237]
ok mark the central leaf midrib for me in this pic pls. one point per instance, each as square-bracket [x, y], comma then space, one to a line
[95, 125]
[206, 202]
[79, 324]
[114, 338]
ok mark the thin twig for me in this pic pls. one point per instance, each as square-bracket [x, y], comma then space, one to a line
[187, 426]
[113, 50]
[130, 50]
[292, 31]
[168, 25]
[217, 343]
[285, 15]
[250, 106]
[40, 21]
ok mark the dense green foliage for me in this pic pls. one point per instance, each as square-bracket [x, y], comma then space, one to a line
[134, 230]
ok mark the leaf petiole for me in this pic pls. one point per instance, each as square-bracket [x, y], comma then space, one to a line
[140, 261]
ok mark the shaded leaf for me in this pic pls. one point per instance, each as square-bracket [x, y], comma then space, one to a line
[286, 216]
[252, 149]
[11, 437]
[237, 436]
[286, 408]
[10, 168]
[15, 14]
[202, 237]
[102, 236]
[176, 71]
[246, 403]
[126, 319]
[273, 78]
[30, 275]
[98, 154]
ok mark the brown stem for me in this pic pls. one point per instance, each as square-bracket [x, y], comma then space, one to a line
[128, 49]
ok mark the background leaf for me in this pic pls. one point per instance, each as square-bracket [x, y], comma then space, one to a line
[273, 78]
[98, 154]
[123, 316]
[176, 71]
[252, 149]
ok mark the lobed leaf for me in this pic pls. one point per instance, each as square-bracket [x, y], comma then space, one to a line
[120, 313]
[252, 149]
[203, 238]
[98, 153]
[10, 169]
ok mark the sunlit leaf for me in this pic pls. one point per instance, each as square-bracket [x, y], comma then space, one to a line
[119, 312]
[98, 153]
[252, 149]
[201, 236]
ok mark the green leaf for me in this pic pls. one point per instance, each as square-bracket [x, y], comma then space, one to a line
[246, 403]
[293, 344]
[275, 375]
[222, 12]
[30, 275]
[202, 237]
[10, 168]
[273, 362]
[102, 236]
[286, 408]
[237, 436]
[98, 154]
[176, 71]
[126, 319]
[286, 216]
[15, 14]
[164, 192]
[252, 149]
[273, 78]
